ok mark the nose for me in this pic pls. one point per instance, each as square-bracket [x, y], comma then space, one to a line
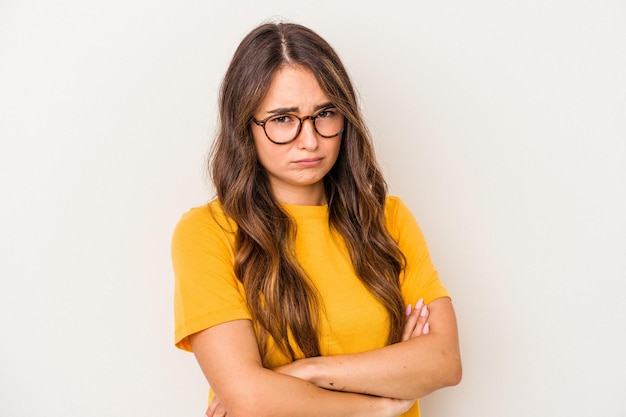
[307, 139]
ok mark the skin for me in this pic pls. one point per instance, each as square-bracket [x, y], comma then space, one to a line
[378, 383]
[296, 170]
[415, 326]
[407, 370]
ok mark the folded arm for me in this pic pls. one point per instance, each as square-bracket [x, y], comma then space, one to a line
[410, 369]
[229, 357]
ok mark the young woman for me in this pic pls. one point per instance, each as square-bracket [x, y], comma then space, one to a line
[303, 289]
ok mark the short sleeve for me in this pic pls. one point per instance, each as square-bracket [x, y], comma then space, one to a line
[420, 278]
[206, 290]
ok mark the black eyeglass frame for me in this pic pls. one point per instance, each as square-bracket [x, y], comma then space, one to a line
[302, 120]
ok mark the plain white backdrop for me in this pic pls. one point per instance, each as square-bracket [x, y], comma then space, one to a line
[502, 124]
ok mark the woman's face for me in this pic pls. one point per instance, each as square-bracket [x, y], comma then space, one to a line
[296, 170]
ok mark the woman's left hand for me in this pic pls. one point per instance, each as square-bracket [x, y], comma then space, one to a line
[416, 321]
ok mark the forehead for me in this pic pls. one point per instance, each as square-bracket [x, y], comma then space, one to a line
[293, 87]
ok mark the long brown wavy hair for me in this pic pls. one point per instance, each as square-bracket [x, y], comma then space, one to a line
[282, 300]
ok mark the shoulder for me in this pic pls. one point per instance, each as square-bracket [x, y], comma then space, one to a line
[203, 222]
[210, 214]
[400, 221]
[396, 210]
[392, 202]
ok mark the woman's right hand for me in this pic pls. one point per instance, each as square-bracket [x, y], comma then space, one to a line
[416, 321]
[216, 409]
[398, 407]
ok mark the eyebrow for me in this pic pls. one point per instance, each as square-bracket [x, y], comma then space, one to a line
[282, 110]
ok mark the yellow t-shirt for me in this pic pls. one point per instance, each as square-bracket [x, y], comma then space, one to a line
[207, 291]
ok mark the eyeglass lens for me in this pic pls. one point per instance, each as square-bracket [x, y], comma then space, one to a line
[285, 127]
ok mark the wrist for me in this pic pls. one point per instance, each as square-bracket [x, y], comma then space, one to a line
[311, 371]
[304, 369]
[321, 373]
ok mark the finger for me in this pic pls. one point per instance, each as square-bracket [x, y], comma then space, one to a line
[421, 321]
[412, 321]
[210, 412]
[220, 411]
[216, 409]
[408, 326]
[419, 304]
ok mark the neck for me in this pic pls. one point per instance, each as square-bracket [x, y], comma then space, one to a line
[303, 196]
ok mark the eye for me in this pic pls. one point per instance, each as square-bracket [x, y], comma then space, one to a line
[325, 113]
[282, 119]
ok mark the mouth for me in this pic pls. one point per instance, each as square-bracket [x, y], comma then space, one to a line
[308, 162]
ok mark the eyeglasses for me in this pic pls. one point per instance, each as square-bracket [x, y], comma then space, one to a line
[284, 128]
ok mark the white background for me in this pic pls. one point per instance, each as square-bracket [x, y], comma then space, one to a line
[502, 124]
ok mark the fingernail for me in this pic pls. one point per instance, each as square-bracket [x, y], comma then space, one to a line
[424, 311]
[426, 329]
[408, 309]
[419, 304]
